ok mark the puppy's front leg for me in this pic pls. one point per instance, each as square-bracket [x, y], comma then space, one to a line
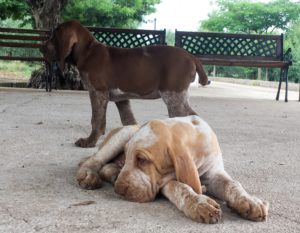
[198, 207]
[99, 100]
[88, 175]
[222, 186]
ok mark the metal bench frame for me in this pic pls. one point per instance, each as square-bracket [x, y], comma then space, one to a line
[245, 50]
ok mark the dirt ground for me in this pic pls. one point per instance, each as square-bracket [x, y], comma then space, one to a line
[259, 137]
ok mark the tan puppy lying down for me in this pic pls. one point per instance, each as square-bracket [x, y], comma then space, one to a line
[169, 156]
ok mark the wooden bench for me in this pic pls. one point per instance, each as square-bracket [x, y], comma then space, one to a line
[31, 40]
[246, 50]
[26, 43]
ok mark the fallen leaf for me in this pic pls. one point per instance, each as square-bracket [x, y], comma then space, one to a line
[84, 203]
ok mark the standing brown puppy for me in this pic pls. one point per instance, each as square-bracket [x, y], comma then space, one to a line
[117, 74]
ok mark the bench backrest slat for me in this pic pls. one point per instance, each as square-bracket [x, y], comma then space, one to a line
[21, 58]
[25, 42]
[20, 45]
[225, 45]
[25, 31]
[22, 37]
[31, 40]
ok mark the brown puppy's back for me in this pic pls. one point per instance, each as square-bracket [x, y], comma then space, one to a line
[144, 69]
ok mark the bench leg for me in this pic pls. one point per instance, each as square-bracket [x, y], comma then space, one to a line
[47, 74]
[286, 83]
[279, 85]
[51, 77]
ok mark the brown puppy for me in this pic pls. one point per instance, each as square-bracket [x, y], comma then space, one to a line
[169, 156]
[115, 74]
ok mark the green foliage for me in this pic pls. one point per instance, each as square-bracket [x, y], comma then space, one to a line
[292, 40]
[170, 37]
[234, 72]
[11, 23]
[109, 13]
[244, 16]
[15, 10]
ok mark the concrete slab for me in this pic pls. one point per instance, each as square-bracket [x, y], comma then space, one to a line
[260, 139]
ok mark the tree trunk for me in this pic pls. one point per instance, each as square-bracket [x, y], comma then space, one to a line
[47, 15]
[267, 74]
[259, 73]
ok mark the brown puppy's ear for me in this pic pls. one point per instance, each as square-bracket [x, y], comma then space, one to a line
[185, 169]
[66, 38]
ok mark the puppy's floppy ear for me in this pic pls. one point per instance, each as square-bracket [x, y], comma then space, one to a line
[66, 38]
[185, 168]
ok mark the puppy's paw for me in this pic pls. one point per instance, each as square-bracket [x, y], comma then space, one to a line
[201, 208]
[88, 178]
[251, 208]
[83, 160]
[85, 143]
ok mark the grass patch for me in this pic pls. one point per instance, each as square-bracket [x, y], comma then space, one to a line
[257, 84]
[18, 69]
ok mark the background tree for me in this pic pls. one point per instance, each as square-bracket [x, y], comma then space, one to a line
[40, 14]
[107, 13]
[46, 13]
[251, 16]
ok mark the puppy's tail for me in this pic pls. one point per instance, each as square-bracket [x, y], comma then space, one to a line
[203, 79]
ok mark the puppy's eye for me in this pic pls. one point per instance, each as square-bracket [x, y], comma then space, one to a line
[142, 161]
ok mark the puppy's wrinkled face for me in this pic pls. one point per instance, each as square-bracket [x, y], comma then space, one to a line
[147, 167]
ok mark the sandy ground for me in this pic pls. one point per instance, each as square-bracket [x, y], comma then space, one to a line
[260, 139]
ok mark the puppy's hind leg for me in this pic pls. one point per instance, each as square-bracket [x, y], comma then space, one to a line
[177, 103]
[110, 172]
[125, 112]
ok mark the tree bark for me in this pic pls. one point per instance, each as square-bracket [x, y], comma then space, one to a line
[259, 73]
[267, 75]
[46, 13]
